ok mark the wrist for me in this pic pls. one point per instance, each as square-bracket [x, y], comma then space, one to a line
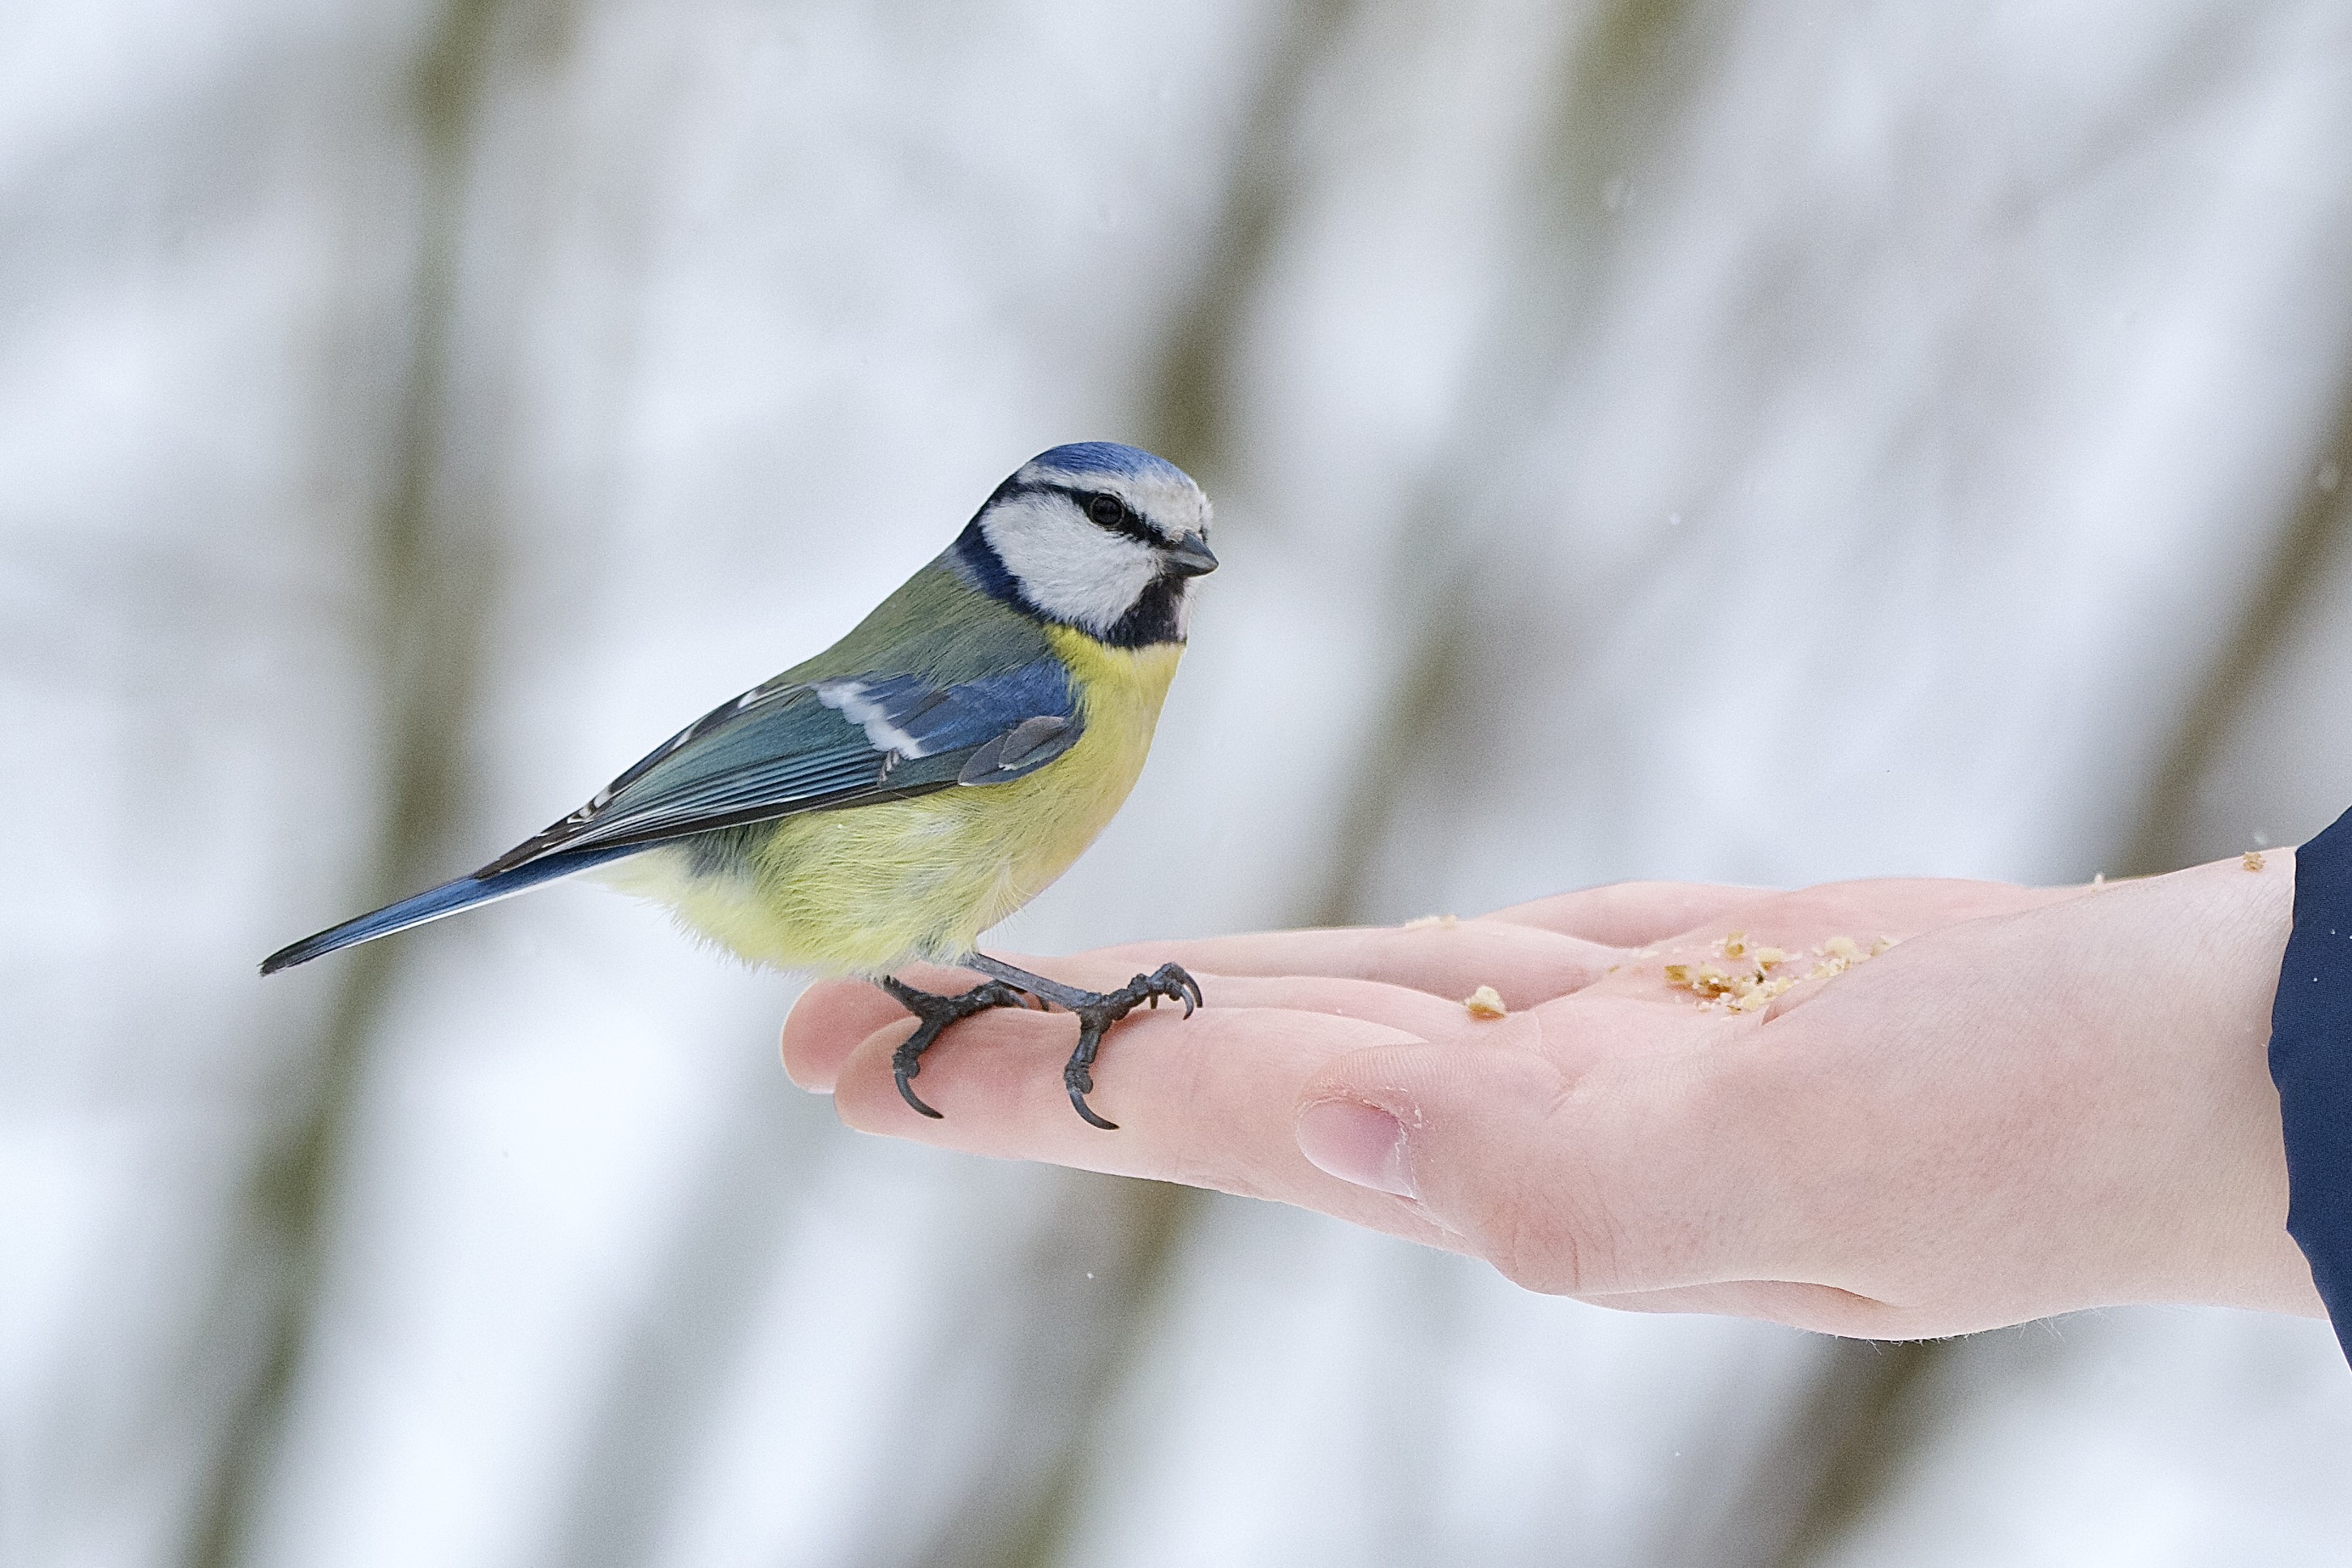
[2227, 924]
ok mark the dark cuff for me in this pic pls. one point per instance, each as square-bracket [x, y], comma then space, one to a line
[2311, 1062]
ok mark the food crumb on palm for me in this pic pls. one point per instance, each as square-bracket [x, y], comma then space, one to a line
[1753, 984]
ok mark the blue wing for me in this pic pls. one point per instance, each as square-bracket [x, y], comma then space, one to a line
[778, 749]
[821, 745]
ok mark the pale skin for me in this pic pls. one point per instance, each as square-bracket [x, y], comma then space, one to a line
[2038, 1100]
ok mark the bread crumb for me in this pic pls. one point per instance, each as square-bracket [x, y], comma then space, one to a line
[2098, 878]
[2254, 861]
[1433, 923]
[1881, 945]
[1486, 1003]
[1840, 947]
[1709, 981]
[1741, 993]
[1756, 993]
[1736, 945]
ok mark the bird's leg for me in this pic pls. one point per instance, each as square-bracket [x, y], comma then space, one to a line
[935, 1013]
[1096, 1012]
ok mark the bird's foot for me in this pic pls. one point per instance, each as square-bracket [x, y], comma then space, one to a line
[935, 1013]
[1099, 1010]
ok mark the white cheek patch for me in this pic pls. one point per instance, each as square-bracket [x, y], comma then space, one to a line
[1066, 566]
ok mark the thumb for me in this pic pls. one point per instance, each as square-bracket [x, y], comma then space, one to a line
[1577, 1187]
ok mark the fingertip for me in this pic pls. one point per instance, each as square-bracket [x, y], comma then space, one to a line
[826, 1025]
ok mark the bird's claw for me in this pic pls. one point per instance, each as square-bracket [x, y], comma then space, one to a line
[933, 1013]
[1177, 986]
[1095, 1017]
[1096, 1011]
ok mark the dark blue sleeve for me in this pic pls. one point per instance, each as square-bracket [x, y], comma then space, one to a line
[2311, 1062]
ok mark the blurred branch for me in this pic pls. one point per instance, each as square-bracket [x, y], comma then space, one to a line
[669, 1378]
[1089, 1330]
[2320, 523]
[1623, 80]
[1627, 80]
[1415, 722]
[1838, 1454]
[1187, 414]
[431, 585]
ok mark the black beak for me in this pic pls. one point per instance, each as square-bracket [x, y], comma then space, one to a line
[1189, 556]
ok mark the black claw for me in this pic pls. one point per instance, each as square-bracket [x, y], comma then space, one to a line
[1077, 1073]
[907, 1093]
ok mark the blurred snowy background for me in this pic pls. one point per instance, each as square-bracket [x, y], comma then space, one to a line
[1764, 441]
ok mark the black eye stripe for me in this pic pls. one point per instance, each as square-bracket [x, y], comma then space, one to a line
[1128, 522]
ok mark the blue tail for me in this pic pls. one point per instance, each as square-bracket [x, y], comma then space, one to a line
[434, 902]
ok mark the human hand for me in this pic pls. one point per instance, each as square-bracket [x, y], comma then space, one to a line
[2039, 1101]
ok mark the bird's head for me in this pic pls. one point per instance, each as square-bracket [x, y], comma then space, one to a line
[1097, 536]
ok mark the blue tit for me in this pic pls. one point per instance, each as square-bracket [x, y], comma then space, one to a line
[930, 773]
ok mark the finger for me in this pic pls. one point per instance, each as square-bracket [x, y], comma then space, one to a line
[1632, 914]
[1896, 906]
[1525, 964]
[1398, 1007]
[833, 1019]
[1205, 1100]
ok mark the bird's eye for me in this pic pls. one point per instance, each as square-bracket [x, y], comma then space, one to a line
[1107, 510]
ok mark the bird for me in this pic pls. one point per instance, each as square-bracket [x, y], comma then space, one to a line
[886, 802]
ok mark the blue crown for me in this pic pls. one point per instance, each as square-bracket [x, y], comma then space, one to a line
[1107, 457]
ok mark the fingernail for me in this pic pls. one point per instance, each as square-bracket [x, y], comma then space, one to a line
[784, 1051]
[1357, 1143]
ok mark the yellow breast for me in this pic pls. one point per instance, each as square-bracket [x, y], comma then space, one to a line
[868, 888]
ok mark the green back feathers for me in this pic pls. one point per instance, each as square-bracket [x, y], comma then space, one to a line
[936, 626]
